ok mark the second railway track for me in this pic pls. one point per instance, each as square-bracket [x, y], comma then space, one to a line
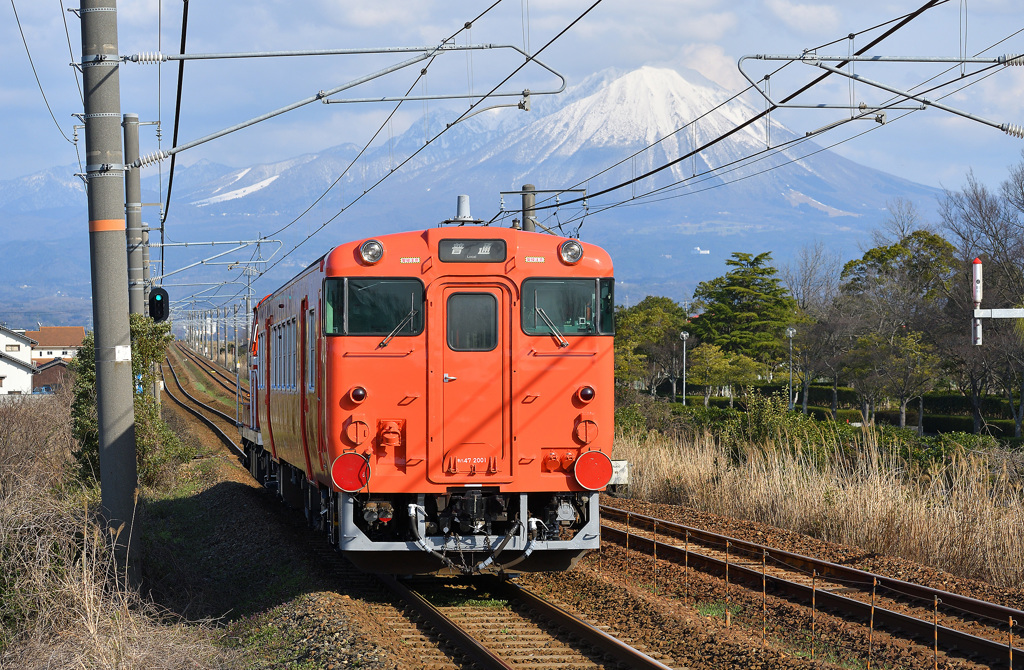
[938, 620]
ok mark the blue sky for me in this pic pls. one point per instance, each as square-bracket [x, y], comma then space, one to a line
[932, 147]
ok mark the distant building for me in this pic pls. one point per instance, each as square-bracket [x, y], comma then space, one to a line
[16, 368]
[55, 342]
[50, 376]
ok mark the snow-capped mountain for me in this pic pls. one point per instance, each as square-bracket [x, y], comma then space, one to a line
[739, 195]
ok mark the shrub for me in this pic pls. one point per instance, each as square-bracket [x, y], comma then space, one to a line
[157, 448]
[952, 501]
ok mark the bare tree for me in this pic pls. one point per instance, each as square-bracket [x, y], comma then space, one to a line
[987, 224]
[813, 278]
[990, 225]
[903, 220]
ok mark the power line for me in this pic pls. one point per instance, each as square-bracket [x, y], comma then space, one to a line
[366, 146]
[442, 132]
[36, 74]
[177, 113]
[894, 100]
[64, 15]
[899, 23]
[747, 160]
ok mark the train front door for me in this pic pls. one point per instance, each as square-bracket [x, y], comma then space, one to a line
[474, 373]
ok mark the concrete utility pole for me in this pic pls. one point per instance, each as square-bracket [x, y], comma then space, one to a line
[133, 212]
[107, 239]
[529, 202]
[146, 282]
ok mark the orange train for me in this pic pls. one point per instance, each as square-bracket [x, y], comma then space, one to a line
[441, 400]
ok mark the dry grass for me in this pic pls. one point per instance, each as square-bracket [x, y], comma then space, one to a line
[965, 518]
[61, 605]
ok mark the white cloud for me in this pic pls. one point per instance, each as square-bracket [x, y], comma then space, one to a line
[712, 62]
[806, 19]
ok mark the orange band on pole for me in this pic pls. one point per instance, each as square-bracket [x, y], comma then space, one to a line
[106, 225]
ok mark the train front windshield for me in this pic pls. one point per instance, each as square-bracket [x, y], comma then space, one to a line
[373, 306]
[572, 306]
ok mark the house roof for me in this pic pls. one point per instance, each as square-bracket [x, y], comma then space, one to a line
[20, 363]
[21, 336]
[58, 336]
[49, 363]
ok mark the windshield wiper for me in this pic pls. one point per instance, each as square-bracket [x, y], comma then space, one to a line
[400, 326]
[554, 330]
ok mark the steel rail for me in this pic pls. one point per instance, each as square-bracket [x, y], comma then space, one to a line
[451, 631]
[980, 608]
[610, 646]
[994, 652]
[217, 368]
[224, 437]
[212, 370]
[214, 410]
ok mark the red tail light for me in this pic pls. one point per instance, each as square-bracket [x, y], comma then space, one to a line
[350, 472]
[593, 470]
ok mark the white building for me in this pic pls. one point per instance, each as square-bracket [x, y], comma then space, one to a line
[55, 342]
[16, 368]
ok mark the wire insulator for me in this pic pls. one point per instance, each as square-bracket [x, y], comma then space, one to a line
[1015, 130]
[147, 57]
[1017, 59]
[149, 159]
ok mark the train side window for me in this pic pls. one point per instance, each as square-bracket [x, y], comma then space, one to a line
[606, 308]
[472, 322]
[334, 307]
[292, 357]
[310, 348]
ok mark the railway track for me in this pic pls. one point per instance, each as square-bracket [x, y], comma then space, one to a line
[488, 624]
[958, 625]
[211, 417]
[521, 629]
[219, 374]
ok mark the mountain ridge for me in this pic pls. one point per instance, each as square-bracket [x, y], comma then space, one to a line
[776, 202]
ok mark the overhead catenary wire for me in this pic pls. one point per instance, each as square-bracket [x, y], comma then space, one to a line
[466, 113]
[692, 125]
[177, 113]
[366, 146]
[648, 198]
[421, 78]
[905, 20]
[732, 165]
[747, 160]
[39, 83]
[71, 52]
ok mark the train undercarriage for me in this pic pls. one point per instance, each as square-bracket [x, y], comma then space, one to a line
[466, 530]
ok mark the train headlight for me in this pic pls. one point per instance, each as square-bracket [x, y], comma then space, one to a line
[586, 393]
[571, 251]
[371, 251]
[357, 394]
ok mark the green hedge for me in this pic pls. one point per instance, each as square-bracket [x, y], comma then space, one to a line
[944, 423]
[957, 404]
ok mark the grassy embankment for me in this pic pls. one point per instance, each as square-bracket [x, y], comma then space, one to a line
[62, 602]
[959, 508]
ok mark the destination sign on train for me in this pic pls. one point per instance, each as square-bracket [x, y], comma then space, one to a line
[471, 251]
